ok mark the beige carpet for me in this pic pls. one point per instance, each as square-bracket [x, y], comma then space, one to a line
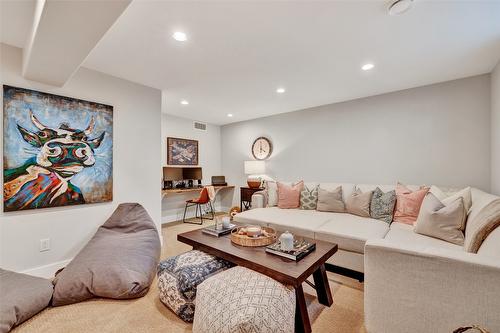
[148, 314]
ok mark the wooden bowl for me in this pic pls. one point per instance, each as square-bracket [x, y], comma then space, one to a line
[268, 236]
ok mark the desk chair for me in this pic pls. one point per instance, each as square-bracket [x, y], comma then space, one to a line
[199, 202]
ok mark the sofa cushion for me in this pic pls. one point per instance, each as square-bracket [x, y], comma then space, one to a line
[302, 222]
[382, 205]
[408, 203]
[21, 297]
[359, 203]
[309, 198]
[330, 201]
[351, 232]
[403, 234]
[441, 221]
[118, 262]
[289, 195]
[447, 197]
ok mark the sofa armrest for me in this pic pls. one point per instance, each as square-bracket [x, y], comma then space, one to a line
[259, 199]
[411, 289]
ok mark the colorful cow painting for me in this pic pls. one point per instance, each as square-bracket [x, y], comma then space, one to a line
[57, 150]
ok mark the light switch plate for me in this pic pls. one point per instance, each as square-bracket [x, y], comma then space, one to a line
[44, 244]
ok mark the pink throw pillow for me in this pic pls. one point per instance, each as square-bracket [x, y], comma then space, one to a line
[289, 196]
[408, 203]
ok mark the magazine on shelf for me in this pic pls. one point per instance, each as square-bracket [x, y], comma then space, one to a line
[210, 230]
[301, 249]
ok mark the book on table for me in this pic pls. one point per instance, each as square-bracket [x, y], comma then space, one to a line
[301, 248]
[212, 231]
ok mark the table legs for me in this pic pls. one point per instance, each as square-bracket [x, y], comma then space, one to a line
[302, 323]
[322, 286]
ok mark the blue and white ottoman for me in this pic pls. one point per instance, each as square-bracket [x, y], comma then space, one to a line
[179, 276]
[243, 301]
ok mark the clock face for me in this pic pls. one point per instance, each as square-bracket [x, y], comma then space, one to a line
[262, 148]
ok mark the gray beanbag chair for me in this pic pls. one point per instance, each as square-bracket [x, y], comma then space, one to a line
[118, 262]
[21, 297]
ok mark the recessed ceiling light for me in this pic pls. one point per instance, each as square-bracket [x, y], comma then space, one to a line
[184, 102]
[400, 6]
[367, 67]
[229, 115]
[180, 36]
[280, 90]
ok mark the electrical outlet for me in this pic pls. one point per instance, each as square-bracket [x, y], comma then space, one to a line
[44, 244]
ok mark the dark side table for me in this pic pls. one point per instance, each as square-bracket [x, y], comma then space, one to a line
[246, 196]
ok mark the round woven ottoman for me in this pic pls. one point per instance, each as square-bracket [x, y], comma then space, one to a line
[179, 277]
[244, 301]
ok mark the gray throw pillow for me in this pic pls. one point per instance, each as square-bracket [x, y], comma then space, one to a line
[440, 221]
[21, 297]
[309, 198]
[382, 205]
[359, 203]
[330, 201]
[118, 262]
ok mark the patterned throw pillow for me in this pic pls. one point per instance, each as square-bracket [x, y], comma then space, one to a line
[309, 198]
[382, 205]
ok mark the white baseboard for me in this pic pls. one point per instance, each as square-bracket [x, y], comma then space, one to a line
[47, 271]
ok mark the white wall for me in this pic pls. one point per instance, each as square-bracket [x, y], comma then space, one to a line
[495, 130]
[437, 134]
[136, 169]
[209, 146]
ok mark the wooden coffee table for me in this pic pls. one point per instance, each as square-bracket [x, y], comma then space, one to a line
[283, 270]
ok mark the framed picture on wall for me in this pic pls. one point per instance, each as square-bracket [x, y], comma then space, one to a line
[182, 151]
[57, 151]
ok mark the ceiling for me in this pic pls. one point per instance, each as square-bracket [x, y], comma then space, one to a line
[239, 52]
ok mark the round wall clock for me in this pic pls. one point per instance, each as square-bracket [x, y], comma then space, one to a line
[262, 148]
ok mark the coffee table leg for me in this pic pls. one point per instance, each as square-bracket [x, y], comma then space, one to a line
[302, 323]
[322, 286]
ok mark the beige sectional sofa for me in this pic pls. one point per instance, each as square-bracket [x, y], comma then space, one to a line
[413, 283]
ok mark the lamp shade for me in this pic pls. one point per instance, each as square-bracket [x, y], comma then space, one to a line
[255, 167]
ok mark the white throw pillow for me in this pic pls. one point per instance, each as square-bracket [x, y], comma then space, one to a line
[442, 221]
[447, 198]
[272, 193]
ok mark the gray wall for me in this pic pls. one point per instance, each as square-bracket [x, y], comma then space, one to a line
[437, 134]
[136, 170]
[495, 130]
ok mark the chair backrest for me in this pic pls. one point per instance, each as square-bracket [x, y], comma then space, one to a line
[203, 198]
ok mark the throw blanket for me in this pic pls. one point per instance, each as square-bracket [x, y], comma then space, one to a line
[485, 222]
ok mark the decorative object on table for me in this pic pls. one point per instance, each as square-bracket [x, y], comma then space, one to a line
[242, 236]
[200, 202]
[58, 151]
[219, 181]
[246, 196]
[226, 221]
[301, 248]
[233, 211]
[182, 151]
[472, 328]
[218, 229]
[127, 247]
[242, 300]
[254, 170]
[179, 277]
[262, 148]
[286, 241]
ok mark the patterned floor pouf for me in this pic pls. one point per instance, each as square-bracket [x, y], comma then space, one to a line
[179, 277]
[244, 301]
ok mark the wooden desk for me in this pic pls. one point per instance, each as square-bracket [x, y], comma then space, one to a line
[191, 189]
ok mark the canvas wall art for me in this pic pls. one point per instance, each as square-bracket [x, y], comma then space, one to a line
[58, 151]
[182, 151]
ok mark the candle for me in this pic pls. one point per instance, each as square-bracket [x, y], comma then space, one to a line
[253, 231]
